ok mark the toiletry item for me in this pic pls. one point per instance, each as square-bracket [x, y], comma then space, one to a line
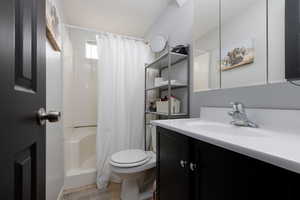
[180, 49]
[164, 99]
[158, 81]
[152, 107]
[173, 82]
[162, 106]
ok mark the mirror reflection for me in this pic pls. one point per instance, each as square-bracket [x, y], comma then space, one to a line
[206, 74]
[243, 43]
[230, 43]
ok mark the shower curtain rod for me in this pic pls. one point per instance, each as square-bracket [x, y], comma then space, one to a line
[102, 32]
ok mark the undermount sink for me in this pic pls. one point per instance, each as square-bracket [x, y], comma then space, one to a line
[227, 129]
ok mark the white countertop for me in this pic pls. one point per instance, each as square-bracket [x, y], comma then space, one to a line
[277, 148]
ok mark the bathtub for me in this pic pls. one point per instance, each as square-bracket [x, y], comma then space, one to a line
[80, 157]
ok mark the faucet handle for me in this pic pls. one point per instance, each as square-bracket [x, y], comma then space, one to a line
[238, 106]
[230, 113]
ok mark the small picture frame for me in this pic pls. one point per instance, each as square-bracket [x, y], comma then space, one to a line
[238, 55]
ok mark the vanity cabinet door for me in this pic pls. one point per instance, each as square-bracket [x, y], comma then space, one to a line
[226, 175]
[189, 169]
[173, 172]
[218, 176]
[272, 182]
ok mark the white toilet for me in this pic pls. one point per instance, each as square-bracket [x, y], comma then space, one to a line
[132, 166]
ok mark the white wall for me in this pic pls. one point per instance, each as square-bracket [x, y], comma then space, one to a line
[54, 139]
[68, 80]
[81, 85]
[80, 97]
[54, 134]
[201, 72]
[175, 23]
[68, 91]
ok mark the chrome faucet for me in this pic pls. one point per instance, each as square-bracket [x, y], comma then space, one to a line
[239, 116]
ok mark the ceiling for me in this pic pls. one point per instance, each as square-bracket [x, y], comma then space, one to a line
[133, 17]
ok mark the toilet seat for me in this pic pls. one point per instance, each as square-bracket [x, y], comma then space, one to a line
[130, 158]
[129, 165]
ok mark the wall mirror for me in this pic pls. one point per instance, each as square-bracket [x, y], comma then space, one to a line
[237, 43]
[206, 47]
[243, 43]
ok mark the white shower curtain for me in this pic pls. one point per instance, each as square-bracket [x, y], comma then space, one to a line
[120, 98]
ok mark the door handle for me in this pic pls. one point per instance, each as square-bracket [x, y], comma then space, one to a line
[51, 116]
[193, 166]
[183, 163]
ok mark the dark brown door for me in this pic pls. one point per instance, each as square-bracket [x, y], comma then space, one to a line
[22, 93]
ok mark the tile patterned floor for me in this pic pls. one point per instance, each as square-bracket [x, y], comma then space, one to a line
[92, 193]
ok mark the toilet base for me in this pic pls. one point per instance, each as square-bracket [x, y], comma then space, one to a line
[137, 181]
[130, 189]
[132, 186]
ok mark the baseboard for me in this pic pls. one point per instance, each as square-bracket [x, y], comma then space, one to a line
[60, 195]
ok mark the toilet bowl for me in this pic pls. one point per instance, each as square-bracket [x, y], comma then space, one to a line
[132, 166]
[136, 168]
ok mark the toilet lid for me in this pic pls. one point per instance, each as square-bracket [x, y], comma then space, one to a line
[129, 156]
[129, 165]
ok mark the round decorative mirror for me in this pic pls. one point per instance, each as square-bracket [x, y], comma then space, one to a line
[158, 43]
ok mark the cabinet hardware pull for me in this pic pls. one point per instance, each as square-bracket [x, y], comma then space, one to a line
[193, 166]
[183, 163]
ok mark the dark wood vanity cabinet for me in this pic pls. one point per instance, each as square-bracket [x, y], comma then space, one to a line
[174, 177]
[209, 172]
